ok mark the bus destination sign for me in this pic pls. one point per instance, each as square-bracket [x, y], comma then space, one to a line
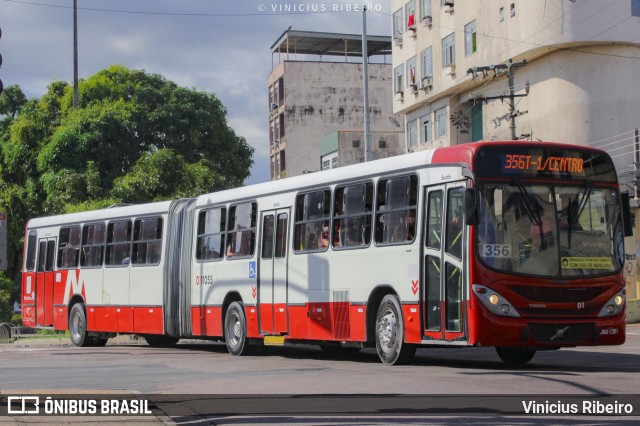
[528, 161]
[552, 163]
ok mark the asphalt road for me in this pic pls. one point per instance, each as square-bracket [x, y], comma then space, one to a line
[207, 369]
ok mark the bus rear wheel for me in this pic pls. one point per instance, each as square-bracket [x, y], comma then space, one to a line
[78, 327]
[390, 344]
[515, 356]
[235, 330]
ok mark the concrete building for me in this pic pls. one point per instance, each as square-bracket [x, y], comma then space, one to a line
[573, 67]
[311, 97]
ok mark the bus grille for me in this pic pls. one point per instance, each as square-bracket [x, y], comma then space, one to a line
[559, 294]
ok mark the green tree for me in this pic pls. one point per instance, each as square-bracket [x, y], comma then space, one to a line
[135, 137]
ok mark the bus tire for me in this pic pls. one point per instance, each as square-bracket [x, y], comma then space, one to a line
[78, 327]
[515, 356]
[235, 330]
[390, 344]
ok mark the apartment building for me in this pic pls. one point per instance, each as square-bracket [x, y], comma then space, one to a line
[316, 90]
[562, 70]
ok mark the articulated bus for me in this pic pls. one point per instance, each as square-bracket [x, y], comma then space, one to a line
[512, 245]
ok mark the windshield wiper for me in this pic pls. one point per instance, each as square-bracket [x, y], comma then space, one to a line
[528, 204]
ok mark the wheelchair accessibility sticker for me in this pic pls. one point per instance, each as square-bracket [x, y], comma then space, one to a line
[252, 269]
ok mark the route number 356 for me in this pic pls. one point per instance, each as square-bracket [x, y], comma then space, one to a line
[496, 250]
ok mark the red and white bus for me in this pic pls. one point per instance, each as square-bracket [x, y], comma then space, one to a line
[514, 245]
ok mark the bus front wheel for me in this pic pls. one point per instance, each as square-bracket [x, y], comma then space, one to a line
[390, 343]
[515, 356]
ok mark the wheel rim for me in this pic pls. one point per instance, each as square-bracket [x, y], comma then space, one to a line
[235, 329]
[77, 327]
[387, 331]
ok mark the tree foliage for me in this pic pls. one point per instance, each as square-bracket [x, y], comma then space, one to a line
[135, 137]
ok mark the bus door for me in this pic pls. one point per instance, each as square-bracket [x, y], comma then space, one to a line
[44, 281]
[443, 279]
[272, 273]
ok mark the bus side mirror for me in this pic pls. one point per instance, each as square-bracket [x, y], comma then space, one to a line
[471, 206]
[626, 215]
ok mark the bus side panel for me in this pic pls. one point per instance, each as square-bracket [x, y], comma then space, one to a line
[148, 320]
[125, 319]
[28, 300]
[198, 323]
[60, 317]
[213, 321]
[106, 318]
[412, 331]
[358, 322]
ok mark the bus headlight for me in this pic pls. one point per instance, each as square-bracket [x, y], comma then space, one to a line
[495, 302]
[614, 306]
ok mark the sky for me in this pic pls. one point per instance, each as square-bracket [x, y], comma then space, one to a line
[216, 46]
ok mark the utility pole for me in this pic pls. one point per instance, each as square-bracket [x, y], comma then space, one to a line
[508, 68]
[365, 79]
[75, 53]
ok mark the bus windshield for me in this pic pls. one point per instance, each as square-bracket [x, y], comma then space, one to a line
[550, 230]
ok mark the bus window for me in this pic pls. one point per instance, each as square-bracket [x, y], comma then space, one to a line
[32, 244]
[268, 224]
[118, 243]
[147, 241]
[352, 215]
[69, 247]
[211, 234]
[242, 230]
[453, 243]
[434, 220]
[396, 210]
[93, 237]
[311, 232]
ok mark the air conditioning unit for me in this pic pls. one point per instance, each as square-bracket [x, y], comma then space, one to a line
[448, 3]
[427, 20]
[414, 88]
[400, 95]
[274, 106]
[427, 82]
[450, 69]
[398, 40]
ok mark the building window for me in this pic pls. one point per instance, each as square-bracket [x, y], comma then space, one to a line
[410, 13]
[329, 161]
[412, 134]
[425, 9]
[211, 234]
[470, 45]
[411, 72]
[398, 26]
[441, 122]
[398, 79]
[425, 128]
[448, 50]
[476, 122]
[427, 62]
